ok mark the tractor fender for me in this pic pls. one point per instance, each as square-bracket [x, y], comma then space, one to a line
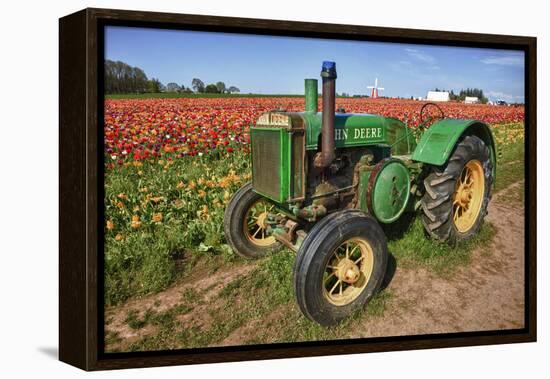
[437, 143]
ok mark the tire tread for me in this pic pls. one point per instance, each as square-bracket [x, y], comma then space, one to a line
[436, 203]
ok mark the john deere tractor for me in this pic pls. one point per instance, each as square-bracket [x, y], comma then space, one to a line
[324, 182]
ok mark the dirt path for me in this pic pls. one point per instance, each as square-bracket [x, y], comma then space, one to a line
[486, 294]
[201, 288]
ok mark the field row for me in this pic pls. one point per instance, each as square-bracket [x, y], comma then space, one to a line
[139, 129]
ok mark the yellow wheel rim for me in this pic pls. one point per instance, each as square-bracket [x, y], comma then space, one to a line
[255, 227]
[348, 271]
[468, 196]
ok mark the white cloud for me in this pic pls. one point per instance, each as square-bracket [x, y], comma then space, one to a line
[498, 95]
[507, 60]
[421, 56]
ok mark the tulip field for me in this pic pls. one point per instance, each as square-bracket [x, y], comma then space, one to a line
[171, 165]
[174, 128]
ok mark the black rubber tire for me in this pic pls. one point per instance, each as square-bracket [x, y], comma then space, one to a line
[233, 220]
[439, 185]
[317, 249]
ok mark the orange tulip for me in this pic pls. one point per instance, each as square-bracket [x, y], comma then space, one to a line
[110, 225]
[136, 223]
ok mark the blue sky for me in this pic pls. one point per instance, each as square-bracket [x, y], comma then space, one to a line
[264, 64]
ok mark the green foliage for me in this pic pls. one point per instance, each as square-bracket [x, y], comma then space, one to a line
[173, 87]
[154, 86]
[137, 265]
[408, 243]
[221, 87]
[211, 88]
[159, 212]
[510, 145]
[173, 231]
[470, 92]
[135, 322]
[151, 256]
[198, 85]
[275, 273]
[123, 78]
[233, 89]
[278, 271]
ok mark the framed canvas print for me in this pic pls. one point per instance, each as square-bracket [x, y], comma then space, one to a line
[238, 189]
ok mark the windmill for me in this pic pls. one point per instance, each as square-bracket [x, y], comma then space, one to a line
[375, 89]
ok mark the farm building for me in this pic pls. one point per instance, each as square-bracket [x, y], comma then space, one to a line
[438, 96]
[471, 100]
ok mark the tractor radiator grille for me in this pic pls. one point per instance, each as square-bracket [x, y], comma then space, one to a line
[266, 162]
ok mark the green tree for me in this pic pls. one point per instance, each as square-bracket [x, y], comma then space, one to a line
[233, 89]
[154, 86]
[473, 92]
[198, 85]
[172, 87]
[211, 88]
[221, 87]
[123, 78]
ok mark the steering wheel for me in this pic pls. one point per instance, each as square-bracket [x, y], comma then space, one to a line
[429, 118]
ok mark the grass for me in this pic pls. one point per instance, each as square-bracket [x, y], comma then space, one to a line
[510, 166]
[134, 321]
[414, 249]
[510, 154]
[247, 302]
[163, 216]
[155, 254]
[514, 195]
[262, 304]
[407, 240]
[270, 284]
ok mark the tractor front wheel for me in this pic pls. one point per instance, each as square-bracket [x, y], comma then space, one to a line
[457, 194]
[340, 266]
[244, 224]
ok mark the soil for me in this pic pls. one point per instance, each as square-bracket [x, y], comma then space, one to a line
[486, 294]
[209, 284]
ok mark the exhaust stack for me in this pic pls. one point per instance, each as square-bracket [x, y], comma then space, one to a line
[311, 95]
[325, 157]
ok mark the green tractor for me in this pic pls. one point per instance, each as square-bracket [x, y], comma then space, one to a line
[324, 182]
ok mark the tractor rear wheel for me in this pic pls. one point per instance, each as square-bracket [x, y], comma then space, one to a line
[458, 193]
[244, 224]
[340, 266]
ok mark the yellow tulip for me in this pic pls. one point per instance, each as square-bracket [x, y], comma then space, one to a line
[136, 223]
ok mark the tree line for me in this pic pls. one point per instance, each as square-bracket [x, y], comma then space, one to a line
[468, 92]
[122, 78]
[219, 87]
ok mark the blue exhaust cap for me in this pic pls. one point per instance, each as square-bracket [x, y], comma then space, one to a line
[329, 69]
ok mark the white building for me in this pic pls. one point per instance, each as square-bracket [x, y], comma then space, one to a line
[438, 96]
[471, 100]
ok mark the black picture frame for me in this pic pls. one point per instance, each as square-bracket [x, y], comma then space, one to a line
[81, 188]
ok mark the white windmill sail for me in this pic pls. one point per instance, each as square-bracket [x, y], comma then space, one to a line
[375, 89]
